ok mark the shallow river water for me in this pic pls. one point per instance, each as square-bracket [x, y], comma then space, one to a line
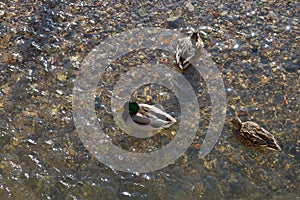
[45, 47]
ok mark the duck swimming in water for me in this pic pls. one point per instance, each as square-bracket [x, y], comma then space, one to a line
[252, 135]
[188, 48]
[146, 117]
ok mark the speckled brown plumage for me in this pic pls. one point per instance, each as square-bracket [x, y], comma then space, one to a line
[252, 135]
[189, 47]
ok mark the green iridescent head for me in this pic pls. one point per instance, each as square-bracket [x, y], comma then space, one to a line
[132, 107]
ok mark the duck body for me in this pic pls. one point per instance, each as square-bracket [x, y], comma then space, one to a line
[252, 135]
[146, 117]
[188, 48]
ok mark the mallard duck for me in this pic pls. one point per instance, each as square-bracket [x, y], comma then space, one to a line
[252, 135]
[145, 117]
[188, 47]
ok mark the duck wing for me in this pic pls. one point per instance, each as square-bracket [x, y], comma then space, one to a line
[157, 117]
[152, 111]
[152, 121]
[185, 50]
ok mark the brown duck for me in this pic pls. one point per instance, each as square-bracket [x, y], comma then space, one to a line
[189, 47]
[252, 135]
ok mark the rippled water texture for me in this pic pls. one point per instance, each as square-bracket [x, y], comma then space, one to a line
[255, 46]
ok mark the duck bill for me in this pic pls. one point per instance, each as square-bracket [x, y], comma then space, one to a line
[120, 109]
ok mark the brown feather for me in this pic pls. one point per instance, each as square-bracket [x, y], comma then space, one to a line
[252, 135]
